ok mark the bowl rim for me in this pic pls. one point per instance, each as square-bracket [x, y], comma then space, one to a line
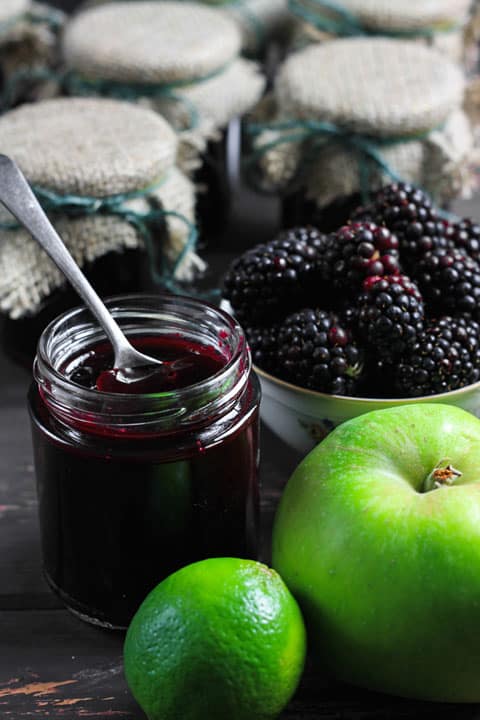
[363, 400]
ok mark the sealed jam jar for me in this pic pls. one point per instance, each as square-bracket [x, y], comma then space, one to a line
[134, 485]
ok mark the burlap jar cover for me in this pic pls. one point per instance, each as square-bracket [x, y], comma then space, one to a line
[102, 165]
[180, 58]
[439, 23]
[259, 21]
[359, 111]
[28, 36]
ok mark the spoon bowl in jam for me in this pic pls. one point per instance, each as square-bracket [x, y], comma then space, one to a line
[132, 370]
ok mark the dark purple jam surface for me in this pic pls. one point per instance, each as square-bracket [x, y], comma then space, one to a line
[184, 363]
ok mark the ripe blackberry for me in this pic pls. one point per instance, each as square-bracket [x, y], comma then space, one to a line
[408, 213]
[399, 204]
[316, 352]
[445, 357]
[263, 342]
[450, 281]
[465, 235]
[391, 315]
[356, 252]
[275, 277]
[419, 238]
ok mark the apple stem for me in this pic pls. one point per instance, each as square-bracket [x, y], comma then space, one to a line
[442, 474]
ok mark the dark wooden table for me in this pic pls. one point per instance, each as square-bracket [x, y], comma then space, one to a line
[52, 665]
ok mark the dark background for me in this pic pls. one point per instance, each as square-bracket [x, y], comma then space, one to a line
[65, 4]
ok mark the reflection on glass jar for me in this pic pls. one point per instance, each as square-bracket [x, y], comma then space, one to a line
[132, 487]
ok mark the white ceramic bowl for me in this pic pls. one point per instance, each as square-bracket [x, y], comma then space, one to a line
[301, 417]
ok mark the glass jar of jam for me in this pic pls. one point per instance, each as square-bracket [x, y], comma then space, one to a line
[133, 486]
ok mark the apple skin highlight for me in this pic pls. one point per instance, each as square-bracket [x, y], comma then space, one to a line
[380, 543]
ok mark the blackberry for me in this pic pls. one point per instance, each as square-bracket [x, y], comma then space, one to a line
[356, 252]
[408, 213]
[465, 235]
[444, 358]
[316, 352]
[275, 277]
[263, 342]
[450, 281]
[390, 315]
[397, 205]
[419, 238]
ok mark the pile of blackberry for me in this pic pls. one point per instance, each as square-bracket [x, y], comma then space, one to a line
[386, 306]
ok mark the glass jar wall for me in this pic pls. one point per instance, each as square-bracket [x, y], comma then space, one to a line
[132, 487]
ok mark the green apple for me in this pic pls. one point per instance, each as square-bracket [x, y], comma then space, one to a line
[378, 537]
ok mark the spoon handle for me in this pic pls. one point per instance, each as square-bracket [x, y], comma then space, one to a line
[17, 196]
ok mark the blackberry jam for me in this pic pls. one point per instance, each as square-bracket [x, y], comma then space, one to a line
[134, 486]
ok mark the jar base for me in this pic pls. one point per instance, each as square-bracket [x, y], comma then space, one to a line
[95, 621]
[79, 610]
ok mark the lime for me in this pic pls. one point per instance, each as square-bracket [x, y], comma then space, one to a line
[221, 639]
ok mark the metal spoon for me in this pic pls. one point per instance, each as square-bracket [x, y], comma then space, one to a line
[18, 197]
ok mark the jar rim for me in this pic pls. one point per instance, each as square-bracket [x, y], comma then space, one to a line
[218, 391]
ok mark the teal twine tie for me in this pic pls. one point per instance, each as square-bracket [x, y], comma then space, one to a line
[76, 84]
[344, 23]
[321, 133]
[81, 206]
[73, 83]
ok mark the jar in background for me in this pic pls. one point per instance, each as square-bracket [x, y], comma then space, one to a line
[105, 172]
[442, 24]
[183, 60]
[29, 35]
[349, 116]
[133, 487]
